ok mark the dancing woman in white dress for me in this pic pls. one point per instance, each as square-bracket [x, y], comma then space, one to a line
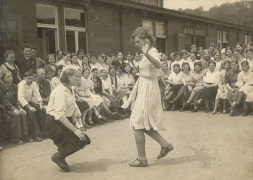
[145, 99]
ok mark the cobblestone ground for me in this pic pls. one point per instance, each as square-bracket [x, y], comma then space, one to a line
[207, 147]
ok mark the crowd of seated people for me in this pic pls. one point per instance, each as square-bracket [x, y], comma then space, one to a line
[221, 80]
[211, 80]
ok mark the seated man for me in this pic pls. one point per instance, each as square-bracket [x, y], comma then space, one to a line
[30, 99]
[45, 90]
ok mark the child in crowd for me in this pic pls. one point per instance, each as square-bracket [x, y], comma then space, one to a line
[222, 88]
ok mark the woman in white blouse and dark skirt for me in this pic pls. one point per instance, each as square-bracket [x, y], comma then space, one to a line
[59, 126]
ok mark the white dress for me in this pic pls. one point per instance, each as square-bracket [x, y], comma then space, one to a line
[147, 112]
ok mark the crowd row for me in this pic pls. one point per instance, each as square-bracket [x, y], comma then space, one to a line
[186, 80]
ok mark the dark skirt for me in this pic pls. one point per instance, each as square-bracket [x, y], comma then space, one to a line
[66, 141]
[175, 88]
[82, 105]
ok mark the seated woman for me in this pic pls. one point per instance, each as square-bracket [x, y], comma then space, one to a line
[128, 81]
[198, 86]
[174, 84]
[61, 110]
[222, 87]
[108, 93]
[18, 123]
[74, 61]
[86, 93]
[66, 59]
[188, 83]
[9, 65]
[163, 82]
[55, 81]
[118, 87]
[94, 63]
[244, 83]
[230, 80]
[101, 61]
[210, 82]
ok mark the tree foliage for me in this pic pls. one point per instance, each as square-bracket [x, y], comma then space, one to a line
[238, 13]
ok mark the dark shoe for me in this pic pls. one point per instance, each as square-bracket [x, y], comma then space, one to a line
[111, 113]
[121, 116]
[172, 102]
[1, 148]
[17, 141]
[86, 125]
[28, 139]
[139, 163]
[195, 110]
[38, 139]
[97, 121]
[164, 151]
[60, 161]
[235, 107]
[82, 129]
[244, 113]
[183, 108]
[90, 123]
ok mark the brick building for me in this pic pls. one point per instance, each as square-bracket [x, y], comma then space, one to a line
[106, 26]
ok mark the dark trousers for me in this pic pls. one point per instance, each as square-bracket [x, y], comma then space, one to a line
[32, 122]
[66, 141]
[5, 122]
[209, 95]
[18, 125]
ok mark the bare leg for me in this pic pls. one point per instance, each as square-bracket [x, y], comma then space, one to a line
[217, 101]
[157, 137]
[224, 106]
[140, 143]
[191, 98]
[170, 94]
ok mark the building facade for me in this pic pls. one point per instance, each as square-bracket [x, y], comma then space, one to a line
[106, 26]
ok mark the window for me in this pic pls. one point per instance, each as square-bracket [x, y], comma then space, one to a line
[47, 29]
[75, 26]
[200, 32]
[225, 37]
[188, 30]
[148, 25]
[46, 14]
[160, 30]
[9, 32]
[247, 39]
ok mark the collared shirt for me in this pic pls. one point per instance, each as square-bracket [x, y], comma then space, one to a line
[107, 85]
[244, 78]
[187, 78]
[62, 103]
[211, 77]
[28, 93]
[175, 78]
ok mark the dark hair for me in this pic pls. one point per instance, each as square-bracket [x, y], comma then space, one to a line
[175, 54]
[80, 51]
[212, 45]
[198, 64]
[236, 62]
[94, 69]
[165, 64]
[183, 52]
[48, 69]
[57, 52]
[246, 63]
[28, 74]
[186, 63]
[143, 33]
[128, 53]
[238, 51]
[65, 75]
[60, 67]
[228, 48]
[212, 62]
[93, 56]
[177, 65]
[226, 62]
[86, 69]
[73, 55]
[65, 53]
[27, 45]
[239, 45]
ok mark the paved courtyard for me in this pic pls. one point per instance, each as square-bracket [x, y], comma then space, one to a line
[207, 147]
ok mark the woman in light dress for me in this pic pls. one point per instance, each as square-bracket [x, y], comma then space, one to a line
[145, 99]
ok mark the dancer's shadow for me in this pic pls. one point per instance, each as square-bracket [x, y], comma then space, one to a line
[198, 156]
[100, 165]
